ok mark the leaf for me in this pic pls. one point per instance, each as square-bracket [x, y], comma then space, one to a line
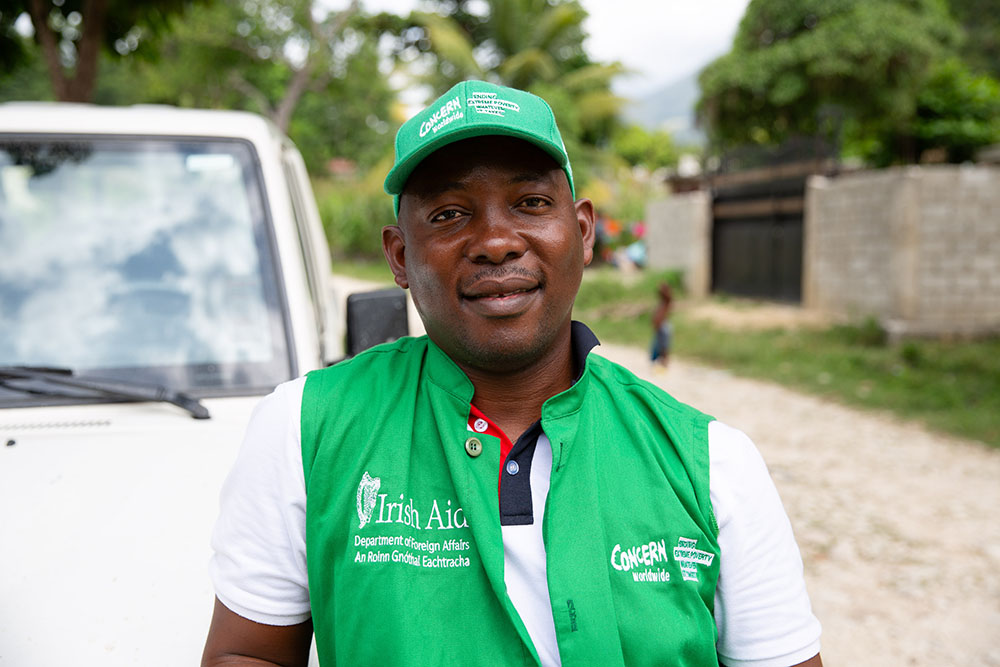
[449, 42]
[526, 66]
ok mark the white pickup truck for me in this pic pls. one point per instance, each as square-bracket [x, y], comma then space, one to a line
[160, 270]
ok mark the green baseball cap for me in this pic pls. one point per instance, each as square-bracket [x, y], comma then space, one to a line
[475, 109]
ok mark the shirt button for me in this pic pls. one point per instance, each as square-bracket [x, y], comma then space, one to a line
[473, 447]
[480, 425]
[512, 467]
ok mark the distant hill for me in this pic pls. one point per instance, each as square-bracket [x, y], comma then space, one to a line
[670, 108]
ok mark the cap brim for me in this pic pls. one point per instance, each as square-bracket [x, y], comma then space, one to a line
[396, 180]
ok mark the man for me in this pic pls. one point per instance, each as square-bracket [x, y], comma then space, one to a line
[613, 526]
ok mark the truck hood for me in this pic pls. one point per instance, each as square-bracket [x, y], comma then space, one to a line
[106, 513]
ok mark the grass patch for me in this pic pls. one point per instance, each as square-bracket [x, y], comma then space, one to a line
[375, 270]
[953, 387]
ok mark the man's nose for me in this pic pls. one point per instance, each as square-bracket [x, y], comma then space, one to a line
[494, 236]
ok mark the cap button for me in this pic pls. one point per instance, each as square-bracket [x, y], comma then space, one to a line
[473, 447]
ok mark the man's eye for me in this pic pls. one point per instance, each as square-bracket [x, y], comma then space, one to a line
[534, 202]
[446, 215]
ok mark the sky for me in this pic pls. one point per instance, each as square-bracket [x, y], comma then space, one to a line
[661, 41]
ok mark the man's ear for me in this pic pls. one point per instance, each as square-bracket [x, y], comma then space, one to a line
[394, 249]
[585, 218]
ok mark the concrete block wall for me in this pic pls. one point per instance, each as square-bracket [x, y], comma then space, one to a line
[916, 247]
[679, 237]
[847, 245]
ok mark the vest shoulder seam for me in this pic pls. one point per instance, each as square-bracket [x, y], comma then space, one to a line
[616, 373]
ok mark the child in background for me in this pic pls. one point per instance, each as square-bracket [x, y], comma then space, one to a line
[662, 331]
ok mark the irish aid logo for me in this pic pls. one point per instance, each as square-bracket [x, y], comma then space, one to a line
[367, 495]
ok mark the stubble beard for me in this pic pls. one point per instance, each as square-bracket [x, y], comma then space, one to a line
[505, 352]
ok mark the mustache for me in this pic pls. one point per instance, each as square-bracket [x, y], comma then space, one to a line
[502, 273]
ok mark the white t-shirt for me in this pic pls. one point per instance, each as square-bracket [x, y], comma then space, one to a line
[762, 609]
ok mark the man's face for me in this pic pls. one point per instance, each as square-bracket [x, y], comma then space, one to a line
[492, 248]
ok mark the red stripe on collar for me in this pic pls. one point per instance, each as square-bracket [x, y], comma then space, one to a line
[480, 423]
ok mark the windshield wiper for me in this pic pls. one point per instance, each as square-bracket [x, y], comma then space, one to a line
[111, 388]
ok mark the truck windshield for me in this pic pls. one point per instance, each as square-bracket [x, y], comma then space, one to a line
[145, 259]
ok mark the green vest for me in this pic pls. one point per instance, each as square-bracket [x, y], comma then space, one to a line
[403, 541]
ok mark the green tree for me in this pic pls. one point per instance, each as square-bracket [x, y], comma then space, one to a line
[12, 47]
[71, 35]
[795, 61]
[980, 20]
[641, 147]
[535, 45]
[22, 72]
[957, 112]
[519, 41]
[315, 75]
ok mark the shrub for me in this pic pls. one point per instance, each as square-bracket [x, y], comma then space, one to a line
[353, 215]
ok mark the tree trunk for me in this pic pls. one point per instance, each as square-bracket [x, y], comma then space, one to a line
[282, 115]
[88, 50]
[46, 36]
[300, 80]
[78, 87]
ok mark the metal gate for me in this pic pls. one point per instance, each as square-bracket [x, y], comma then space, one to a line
[757, 229]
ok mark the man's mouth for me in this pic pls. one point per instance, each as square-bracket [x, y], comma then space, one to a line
[500, 289]
[503, 296]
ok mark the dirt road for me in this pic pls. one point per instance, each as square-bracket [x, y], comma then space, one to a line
[897, 526]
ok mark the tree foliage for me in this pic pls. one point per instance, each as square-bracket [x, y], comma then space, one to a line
[72, 34]
[980, 19]
[958, 111]
[641, 147]
[797, 64]
[534, 45]
[315, 75]
[12, 48]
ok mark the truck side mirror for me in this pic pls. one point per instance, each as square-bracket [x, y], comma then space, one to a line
[375, 317]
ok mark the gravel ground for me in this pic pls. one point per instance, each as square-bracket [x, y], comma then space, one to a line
[896, 524]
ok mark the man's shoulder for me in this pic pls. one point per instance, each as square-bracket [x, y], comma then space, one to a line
[378, 372]
[392, 355]
[359, 391]
[626, 386]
